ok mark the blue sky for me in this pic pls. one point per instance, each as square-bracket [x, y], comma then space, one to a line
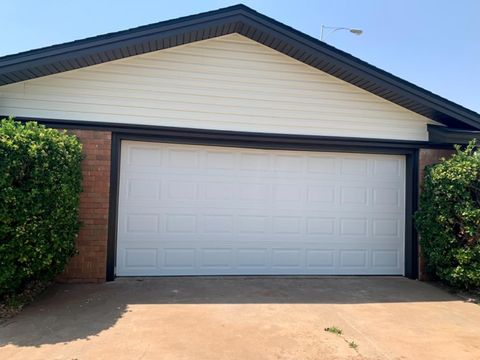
[432, 43]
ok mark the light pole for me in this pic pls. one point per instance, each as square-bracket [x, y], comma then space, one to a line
[323, 36]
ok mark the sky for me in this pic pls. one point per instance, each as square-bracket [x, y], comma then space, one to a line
[434, 44]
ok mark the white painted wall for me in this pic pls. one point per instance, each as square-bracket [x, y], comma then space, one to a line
[227, 83]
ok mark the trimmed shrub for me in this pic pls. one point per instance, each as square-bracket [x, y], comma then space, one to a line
[40, 184]
[448, 218]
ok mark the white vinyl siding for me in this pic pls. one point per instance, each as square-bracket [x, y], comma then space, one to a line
[226, 83]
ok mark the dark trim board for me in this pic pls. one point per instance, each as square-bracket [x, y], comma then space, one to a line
[440, 136]
[411, 203]
[113, 206]
[443, 135]
[411, 183]
[230, 138]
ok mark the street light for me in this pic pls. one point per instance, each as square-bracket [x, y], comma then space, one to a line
[334, 28]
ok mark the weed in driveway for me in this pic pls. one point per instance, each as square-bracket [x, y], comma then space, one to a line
[334, 330]
[337, 331]
[353, 345]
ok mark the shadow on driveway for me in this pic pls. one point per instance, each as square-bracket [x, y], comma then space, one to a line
[68, 312]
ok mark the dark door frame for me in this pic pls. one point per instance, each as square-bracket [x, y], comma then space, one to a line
[270, 142]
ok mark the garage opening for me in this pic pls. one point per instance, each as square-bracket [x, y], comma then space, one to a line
[209, 210]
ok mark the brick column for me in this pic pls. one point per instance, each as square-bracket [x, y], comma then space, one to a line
[90, 263]
[428, 157]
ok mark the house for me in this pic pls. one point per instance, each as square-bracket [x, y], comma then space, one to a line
[227, 143]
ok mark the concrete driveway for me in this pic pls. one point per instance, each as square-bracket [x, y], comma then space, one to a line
[245, 318]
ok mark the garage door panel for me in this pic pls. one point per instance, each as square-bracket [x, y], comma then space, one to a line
[388, 167]
[354, 166]
[186, 210]
[141, 223]
[343, 259]
[217, 225]
[320, 258]
[253, 258]
[179, 257]
[140, 258]
[143, 156]
[386, 258]
[191, 261]
[353, 258]
[220, 258]
[386, 228]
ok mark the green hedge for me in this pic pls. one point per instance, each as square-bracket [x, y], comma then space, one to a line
[448, 218]
[40, 184]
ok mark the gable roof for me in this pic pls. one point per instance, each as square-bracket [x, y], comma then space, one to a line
[249, 23]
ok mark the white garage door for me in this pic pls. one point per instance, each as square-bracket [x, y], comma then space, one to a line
[202, 210]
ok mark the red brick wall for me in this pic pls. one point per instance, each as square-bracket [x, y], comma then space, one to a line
[431, 156]
[428, 157]
[90, 263]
